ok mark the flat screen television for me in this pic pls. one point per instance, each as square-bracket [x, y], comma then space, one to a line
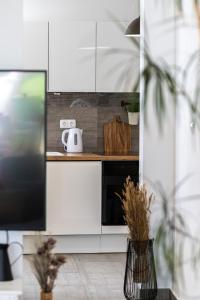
[22, 150]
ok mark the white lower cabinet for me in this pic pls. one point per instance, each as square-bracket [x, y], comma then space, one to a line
[73, 198]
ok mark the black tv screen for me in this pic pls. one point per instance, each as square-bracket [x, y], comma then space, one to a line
[22, 150]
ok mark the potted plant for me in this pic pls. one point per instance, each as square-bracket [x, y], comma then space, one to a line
[133, 108]
[45, 266]
[140, 275]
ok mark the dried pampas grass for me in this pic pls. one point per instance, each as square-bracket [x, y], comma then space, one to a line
[136, 205]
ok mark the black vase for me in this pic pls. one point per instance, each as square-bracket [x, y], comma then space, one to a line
[5, 268]
[140, 275]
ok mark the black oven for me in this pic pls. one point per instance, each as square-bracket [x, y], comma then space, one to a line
[114, 175]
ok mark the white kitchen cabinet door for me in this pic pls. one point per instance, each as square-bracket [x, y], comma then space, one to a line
[35, 46]
[11, 27]
[73, 198]
[118, 59]
[72, 56]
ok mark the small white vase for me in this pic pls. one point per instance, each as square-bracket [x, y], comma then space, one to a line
[133, 118]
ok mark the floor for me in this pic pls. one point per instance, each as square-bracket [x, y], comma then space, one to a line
[83, 277]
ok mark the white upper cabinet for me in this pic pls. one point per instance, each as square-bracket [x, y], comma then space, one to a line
[73, 198]
[118, 58]
[72, 56]
[35, 46]
[11, 28]
[82, 56]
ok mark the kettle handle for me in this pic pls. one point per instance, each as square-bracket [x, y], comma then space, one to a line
[63, 137]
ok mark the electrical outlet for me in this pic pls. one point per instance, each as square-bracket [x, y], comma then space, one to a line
[67, 124]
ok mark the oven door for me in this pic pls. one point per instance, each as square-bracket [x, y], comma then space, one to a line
[114, 175]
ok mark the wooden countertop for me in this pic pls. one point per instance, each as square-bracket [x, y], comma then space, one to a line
[90, 157]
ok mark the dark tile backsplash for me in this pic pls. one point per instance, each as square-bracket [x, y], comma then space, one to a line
[91, 111]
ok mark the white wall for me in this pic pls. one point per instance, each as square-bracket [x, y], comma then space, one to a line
[188, 157]
[157, 148]
[11, 26]
[99, 10]
[170, 157]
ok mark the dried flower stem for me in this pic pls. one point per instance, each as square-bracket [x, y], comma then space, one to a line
[46, 265]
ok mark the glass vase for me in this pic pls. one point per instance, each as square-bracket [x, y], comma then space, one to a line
[140, 275]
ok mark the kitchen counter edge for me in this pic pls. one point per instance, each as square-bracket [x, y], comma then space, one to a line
[91, 157]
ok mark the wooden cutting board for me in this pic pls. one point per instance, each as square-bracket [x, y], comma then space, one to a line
[117, 137]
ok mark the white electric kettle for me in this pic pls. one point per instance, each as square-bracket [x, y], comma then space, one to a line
[74, 141]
